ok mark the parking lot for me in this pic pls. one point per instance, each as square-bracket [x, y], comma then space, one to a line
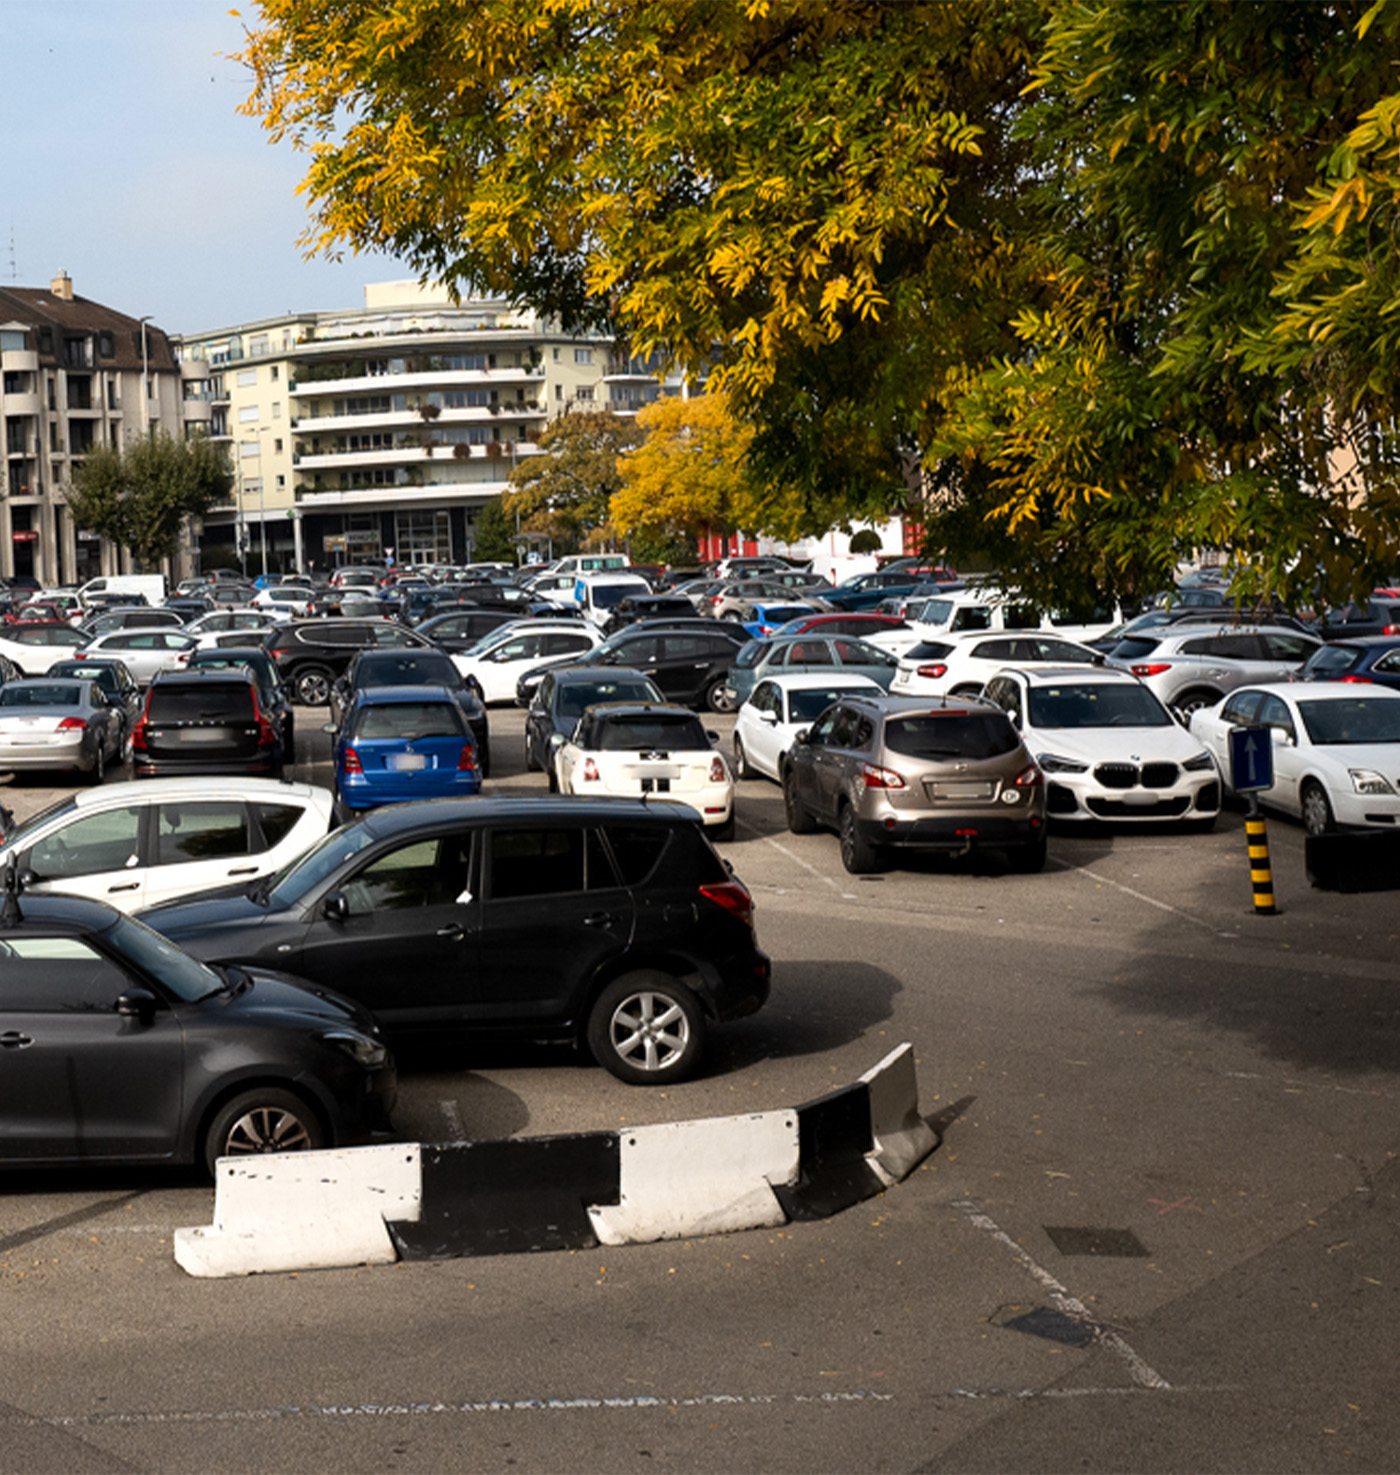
[1158, 1231]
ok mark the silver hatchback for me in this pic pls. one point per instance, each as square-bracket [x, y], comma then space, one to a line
[903, 773]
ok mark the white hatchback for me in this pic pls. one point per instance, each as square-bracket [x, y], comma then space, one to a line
[780, 707]
[498, 660]
[961, 665]
[145, 653]
[152, 840]
[649, 750]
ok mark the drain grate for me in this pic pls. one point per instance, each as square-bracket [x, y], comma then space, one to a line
[1054, 1326]
[1080, 1240]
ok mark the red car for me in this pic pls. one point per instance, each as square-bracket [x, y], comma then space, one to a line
[836, 622]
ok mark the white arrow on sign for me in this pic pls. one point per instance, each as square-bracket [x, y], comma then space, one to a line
[1249, 756]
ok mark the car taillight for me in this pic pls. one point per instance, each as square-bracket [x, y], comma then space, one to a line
[1359, 680]
[733, 896]
[1151, 670]
[1391, 630]
[1030, 778]
[717, 770]
[72, 724]
[590, 771]
[880, 778]
[933, 673]
[138, 736]
[466, 759]
[352, 761]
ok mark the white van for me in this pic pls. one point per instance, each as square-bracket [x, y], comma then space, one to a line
[151, 587]
[597, 595]
[589, 563]
[986, 608]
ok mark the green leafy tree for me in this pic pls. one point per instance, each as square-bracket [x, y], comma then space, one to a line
[566, 491]
[139, 498]
[494, 534]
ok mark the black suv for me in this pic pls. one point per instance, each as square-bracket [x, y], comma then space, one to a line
[607, 922]
[207, 722]
[310, 654]
[689, 660]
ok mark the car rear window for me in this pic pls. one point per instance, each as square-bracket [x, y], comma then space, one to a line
[629, 734]
[408, 722]
[277, 821]
[636, 850]
[951, 734]
[1135, 647]
[1333, 660]
[228, 702]
[51, 694]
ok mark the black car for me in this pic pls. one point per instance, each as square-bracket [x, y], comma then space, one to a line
[1379, 615]
[117, 684]
[273, 696]
[607, 922]
[120, 1048]
[310, 654]
[371, 668]
[206, 722]
[689, 660]
[647, 607]
[561, 697]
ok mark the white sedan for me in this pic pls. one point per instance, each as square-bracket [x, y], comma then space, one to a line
[1335, 749]
[498, 660]
[962, 664]
[135, 844]
[144, 653]
[647, 750]
[778, 709]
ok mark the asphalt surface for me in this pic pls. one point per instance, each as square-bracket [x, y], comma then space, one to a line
[1159, 1233]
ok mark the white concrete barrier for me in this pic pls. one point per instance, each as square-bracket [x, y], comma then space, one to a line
[304, 1211]
[903, 1139]
[703, 1177]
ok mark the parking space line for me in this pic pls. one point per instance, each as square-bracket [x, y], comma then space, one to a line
[1062, 1301]
[1143, 897]
[810, 869]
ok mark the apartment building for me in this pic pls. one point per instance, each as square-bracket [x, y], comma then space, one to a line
[380, 432]
[73, 375]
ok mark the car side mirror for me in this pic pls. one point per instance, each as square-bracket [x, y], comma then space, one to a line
[556, 740]
[713, 736]
[803, 736]
[336, 907]
[330, 727]
[138, 1004]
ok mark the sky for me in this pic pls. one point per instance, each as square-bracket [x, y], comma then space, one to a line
[124, 161]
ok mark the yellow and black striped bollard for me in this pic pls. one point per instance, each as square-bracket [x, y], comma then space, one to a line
[1260, 871]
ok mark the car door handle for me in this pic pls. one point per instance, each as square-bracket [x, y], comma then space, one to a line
[13, 1040]
[601, 919]
[244, 871]
[453, 931]
[129, 886]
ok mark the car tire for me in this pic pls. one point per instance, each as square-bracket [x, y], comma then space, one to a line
[858, 855]
[99, 765]
[532, 764]
[715, 698]
[1318, 818]
[1195, 700]
[799, 821]
[967, 689]
[313, 686]
[1029, 860]
[742, 768]
[483, 758]
[265, 1119]
[647, 1029]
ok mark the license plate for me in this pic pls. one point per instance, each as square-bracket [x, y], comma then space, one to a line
[406, 762]
[961, 791]
[204, 735]
[656, 786]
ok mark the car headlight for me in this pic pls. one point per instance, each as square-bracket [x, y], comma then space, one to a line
[1053, 763]
[1199, 763]
[1368, 781]
[360, 1048]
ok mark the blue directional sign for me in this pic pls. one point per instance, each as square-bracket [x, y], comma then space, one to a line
[1251, 759]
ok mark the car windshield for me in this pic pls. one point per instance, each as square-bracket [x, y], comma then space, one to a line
[186, 977]
[808, 705]
[654, 730]
[50, 694]
[951, 734]
[427, 669]
[934, 612]
[293, 882]
[36, 822]
[572, 700]
[1351, 721]
[1092, 704]
[609, 596]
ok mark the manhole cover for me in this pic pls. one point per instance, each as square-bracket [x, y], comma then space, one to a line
[1076, 1240]
[1055, 1326]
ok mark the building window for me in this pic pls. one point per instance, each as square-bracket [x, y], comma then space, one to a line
[277, 445]
[247, 414]
[559, 391]
[106, 346]
[281, 482]
[556, 355]
[583, 355]
[113, 402]
[77, 352]
[249, 448]
[276, 370]
[277, 409]
[585, 391]
[247, 378]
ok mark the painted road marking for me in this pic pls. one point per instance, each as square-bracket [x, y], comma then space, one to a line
[1062, 1301]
